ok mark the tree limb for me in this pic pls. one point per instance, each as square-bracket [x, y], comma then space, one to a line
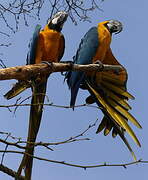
[10, 172]
[28, 71]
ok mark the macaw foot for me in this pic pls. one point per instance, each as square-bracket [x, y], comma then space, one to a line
[48, 63]
[70, 66]
[100, 64]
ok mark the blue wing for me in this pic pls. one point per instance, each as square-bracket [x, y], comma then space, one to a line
[33, 45]
[87, 50]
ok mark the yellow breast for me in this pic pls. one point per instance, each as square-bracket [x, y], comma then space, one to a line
[48, 46]
[104, 38]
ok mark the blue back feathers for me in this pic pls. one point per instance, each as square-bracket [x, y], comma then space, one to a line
[86, 51]
[33, 45]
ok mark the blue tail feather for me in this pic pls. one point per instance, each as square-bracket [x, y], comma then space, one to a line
[75, 89]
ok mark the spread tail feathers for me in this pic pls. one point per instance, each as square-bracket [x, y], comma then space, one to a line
[111, 97]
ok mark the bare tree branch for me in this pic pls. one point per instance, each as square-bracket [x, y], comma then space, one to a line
[49, 104]
[78, 10]
[78, 165]
[5, 149]
[21, 11]
[10, 172]
[46, 144]
[43, 144]
[28, 71]
[10, 136]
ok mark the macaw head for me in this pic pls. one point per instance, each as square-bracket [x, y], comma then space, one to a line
[114, 26]
[57, 21]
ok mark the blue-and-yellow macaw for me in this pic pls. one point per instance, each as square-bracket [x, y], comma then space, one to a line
[107, 89]
[46, 45]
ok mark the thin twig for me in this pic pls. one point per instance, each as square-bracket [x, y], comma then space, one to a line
[7, 133]
[49, 104]
[2, 64]
[47, 144]
[5, 149]
[46, 104]
[22, 11]
[78, 165]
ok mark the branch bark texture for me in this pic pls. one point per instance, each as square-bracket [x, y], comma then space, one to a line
[28, 71]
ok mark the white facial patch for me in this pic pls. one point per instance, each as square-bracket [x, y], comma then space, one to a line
[109, 25]
[55, 21]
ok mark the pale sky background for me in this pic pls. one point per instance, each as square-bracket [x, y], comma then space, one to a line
[130, 48]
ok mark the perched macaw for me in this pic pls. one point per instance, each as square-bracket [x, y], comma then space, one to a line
[107, 89]
[46, 45]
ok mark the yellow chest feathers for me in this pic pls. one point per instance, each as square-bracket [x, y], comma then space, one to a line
[104, 38]
[50, 44]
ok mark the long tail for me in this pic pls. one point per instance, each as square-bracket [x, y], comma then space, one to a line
[34, 124]
[19, 87]
[111, 97]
